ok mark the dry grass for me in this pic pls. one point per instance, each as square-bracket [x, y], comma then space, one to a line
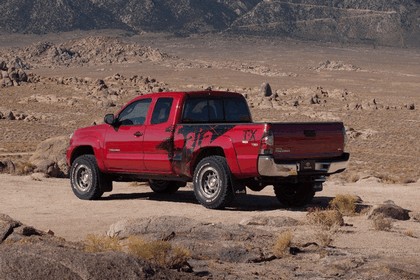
[158, 252]
[326, 218]
[350, 177]
[24, 168]
[345, 204]
[96, 243]
[282, 245]
[324, 237]
[382, 223]
[409, 233]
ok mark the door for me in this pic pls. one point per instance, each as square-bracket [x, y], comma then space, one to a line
[158, 139]
[124, 141]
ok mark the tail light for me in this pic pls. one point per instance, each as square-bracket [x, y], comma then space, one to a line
[267, 142]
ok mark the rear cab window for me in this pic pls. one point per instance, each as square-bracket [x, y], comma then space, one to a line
[216, 110]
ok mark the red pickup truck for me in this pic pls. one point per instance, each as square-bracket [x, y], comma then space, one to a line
[207, 137]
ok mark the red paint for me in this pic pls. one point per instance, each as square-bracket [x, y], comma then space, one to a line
[172, 148]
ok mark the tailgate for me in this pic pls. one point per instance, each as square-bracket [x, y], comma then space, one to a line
[307, 140]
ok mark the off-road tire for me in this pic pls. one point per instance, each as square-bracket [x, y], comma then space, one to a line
[294, 195]
[213, 183]
[87, 181]
[161, 186]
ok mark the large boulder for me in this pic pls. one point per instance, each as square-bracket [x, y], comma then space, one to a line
[229, 243]
[50, 157]
[389, 210]
[28, 253]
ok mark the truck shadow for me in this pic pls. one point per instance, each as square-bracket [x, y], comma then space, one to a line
[248, 202]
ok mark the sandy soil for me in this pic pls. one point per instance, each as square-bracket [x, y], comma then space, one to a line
[50, 204]
[374, 91]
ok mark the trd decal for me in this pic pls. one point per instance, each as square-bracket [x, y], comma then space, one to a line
[194, 137]
[249, 135]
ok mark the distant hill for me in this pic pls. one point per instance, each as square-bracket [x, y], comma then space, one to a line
[391, 22]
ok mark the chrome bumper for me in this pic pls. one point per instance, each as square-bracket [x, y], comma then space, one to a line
[267, 167]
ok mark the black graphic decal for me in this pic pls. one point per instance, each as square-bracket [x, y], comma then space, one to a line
[194, 136]
[249, 135]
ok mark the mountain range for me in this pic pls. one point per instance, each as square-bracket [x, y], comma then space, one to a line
[382, 22]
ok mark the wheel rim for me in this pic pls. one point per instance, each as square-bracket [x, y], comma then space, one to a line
[83, 178]
[210, 183]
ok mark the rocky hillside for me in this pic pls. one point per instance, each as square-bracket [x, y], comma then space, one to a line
[394, 22]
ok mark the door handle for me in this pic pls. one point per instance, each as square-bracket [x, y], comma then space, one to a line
[138, 134]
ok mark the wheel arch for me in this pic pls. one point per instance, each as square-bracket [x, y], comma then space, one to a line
[81, 150]
[228, 153]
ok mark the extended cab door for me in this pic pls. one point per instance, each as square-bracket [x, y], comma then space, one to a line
[158, 138]
[124, 141]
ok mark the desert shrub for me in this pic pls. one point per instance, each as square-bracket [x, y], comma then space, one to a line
[161, 253]
[324, 237]
[409, 233]
[325, 218]
[344, 203]
[282, 245]
[24, 168]
[96, 243]
[389, 179]
[382, 223]
[350, 177]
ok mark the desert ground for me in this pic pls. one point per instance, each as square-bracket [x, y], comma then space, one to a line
[75, 78]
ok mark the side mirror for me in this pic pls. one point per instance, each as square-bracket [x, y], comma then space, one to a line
[109, 119]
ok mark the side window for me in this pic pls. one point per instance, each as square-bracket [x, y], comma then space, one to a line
[135, 113]
[162, 110]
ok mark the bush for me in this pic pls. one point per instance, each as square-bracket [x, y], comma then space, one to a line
[24, 168]
[344, 203]
[326, 218]
[158, 252]
[382, 223]
[282, 245]
[95, 244]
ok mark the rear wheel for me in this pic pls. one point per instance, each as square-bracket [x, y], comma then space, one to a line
[212, 183]
[161, 186]
[294, 195]
[87, 181]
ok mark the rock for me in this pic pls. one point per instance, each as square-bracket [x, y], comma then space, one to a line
[33, 254]
[7, 166]
[389, 210]
[3, 66]
[200, 238]
[7, 224]
[415, 216]
[411, 106]
[164, 224]
[265, 90]
[269, 221]
[50, 157]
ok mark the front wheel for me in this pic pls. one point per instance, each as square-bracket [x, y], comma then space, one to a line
[212, 183]
[294, 195]
[87, 181]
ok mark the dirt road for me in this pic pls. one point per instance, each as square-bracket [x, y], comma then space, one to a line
[50, 204]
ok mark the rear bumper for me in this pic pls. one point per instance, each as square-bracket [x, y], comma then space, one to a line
[267, 166]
